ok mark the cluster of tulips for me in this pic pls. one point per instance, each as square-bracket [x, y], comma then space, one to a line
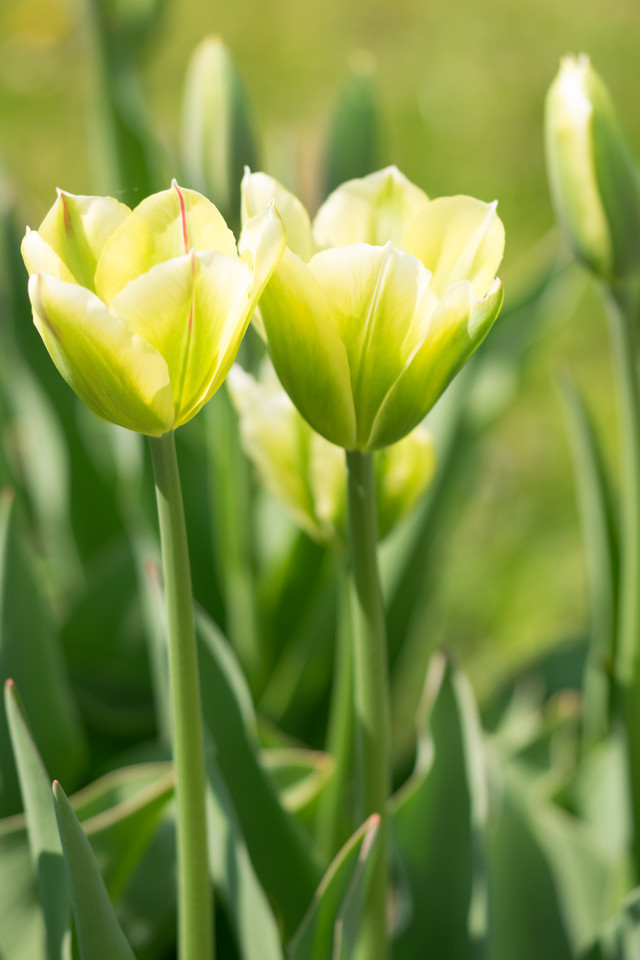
[368, 313]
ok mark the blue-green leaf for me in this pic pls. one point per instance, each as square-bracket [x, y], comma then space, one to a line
[438, 825]
[44, 840]
[330, 927]
[99, 934]
[233, 874]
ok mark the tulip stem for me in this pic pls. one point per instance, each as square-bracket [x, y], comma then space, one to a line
[627, 654]
[371, 691]
[195, 916]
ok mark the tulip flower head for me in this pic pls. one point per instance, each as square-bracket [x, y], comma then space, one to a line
[308, 474]
[375, 307]
[143, 311]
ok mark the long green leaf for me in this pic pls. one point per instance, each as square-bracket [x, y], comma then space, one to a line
[438, 824]
[565, 876]
[601, 549]
[99, 934]
[30, 655]
[22, 930]
[44, 840]
[134, 849]
[233, 874]
[276, 843]
[329, 930]
[620, 940]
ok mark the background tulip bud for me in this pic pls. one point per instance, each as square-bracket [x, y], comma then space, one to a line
[218, 137]
[355, 148]
[307, 474]
[594, 180]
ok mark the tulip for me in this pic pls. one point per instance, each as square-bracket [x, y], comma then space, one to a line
[143, 311]
[594, 180]
[308, 474]
[375, 307]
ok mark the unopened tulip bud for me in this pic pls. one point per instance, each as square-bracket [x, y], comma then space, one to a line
[594, 180]
[308, 474]
[354, 147]
[218, 137]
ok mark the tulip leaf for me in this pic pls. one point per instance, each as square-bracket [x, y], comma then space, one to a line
[620, 939]
[276, 843]
[565, 877]
[233, 874]
[147, 902]
[231, 509]
[44, 840]
[29, 654]
[601, 548]
[301, 776]
[100, 936]
[438, 824]
[330, 927]
[22, 931]
[120, 835]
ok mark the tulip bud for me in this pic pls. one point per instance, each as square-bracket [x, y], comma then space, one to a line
[594, 180]
[307, 474]
[354, 148]
[218, 137]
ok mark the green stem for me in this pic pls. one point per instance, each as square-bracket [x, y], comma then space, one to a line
[372, 725]
[625, 352]
[194, 890]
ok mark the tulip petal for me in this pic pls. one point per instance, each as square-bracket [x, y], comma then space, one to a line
[458, 238]
[277, 440]
[374, 209]
[261, 245]
[381, 300]
[457, 328]
[306, 350]
[258, 189]
[166, 225]
[191, 309]
[403, 472]
[39, 257]
[118, 375]
[76, 229]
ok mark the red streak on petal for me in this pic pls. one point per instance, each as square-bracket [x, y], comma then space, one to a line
[190, 323]
[65, 213]
[183, 216]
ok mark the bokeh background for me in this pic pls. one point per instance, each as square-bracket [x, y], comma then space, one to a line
[461, 89]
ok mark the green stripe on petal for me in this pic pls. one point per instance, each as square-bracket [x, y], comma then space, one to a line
[77, 228]
[457, 328]
[189, 309]
[381, 300]
[166, 225]
[306, 350]
[374, 209]
[258, 189]
[118, 375]
[457, 238]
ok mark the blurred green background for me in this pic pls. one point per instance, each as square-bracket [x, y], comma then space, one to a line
[461, 89]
